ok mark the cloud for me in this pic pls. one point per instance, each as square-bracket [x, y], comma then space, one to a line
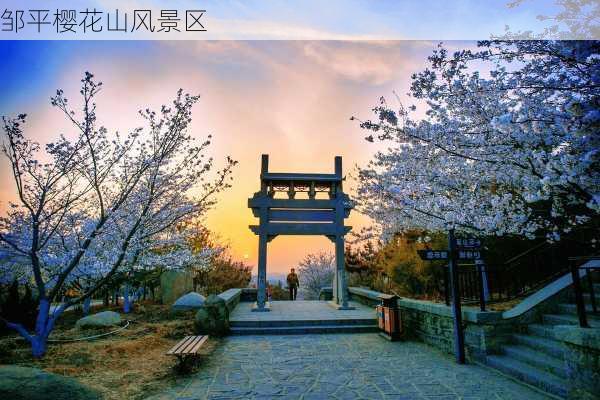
[373, 62]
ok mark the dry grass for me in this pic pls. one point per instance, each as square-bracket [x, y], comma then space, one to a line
[129, 365]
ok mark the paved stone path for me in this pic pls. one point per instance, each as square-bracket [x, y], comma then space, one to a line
[339, 366]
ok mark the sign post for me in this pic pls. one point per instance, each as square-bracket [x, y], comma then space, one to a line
[458, 249]
[459, 337]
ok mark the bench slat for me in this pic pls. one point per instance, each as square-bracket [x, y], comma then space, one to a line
[198, 345]
[180, 344]
[188, 345]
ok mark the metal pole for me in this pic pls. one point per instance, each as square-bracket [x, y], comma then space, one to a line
[459, 339]
[578, 296]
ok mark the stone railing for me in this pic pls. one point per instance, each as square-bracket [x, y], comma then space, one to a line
[248, 295]
[364, 295]
[232, 298]
[326, 293]
[433, 324]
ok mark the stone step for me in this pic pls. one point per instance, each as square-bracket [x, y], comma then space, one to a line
[571, 308]
[301, 322]
[529, 374]
[565, 319]
[547, 346]
[308, 329]
[542, 361]
[587, 298]
[545, 331]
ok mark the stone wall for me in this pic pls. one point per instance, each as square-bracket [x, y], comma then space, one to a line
[582, 359]
[433, 324]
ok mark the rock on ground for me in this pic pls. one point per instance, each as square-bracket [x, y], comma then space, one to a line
[212, 318]
[190, 301]
[22, 383]
[99, 320]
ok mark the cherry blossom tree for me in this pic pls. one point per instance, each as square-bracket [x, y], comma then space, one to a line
[315, 271]
[503, 139]
[101, 201]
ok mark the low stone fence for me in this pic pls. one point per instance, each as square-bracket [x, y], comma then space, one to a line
[249, 295]
[433, 324]
[232, 298]
[326, 293]
[364, 295]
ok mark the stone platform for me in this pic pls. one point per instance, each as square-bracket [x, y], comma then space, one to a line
[297, 317]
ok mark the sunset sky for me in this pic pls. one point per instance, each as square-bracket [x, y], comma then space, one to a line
[290, 99]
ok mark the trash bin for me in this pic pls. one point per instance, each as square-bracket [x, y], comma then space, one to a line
[388, 317]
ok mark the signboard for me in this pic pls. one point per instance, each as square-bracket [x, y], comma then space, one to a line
[469, 255]
[432, 255]
[468, 243]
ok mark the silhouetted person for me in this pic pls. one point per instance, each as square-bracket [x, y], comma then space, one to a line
[293, 283]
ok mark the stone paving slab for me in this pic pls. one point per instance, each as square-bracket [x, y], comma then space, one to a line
[339, 366]
[301, 310]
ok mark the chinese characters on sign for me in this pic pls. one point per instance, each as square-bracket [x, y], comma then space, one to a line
[468, 243]
[90, 21]
[432, 255]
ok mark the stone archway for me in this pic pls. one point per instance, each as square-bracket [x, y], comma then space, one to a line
[306, 216]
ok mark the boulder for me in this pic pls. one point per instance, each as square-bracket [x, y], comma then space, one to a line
[22, 383]
[99, 320]
[212, 318]
[174, 284]
[190, 301]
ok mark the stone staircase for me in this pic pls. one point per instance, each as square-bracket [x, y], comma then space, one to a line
[536, 357]
[295, 327]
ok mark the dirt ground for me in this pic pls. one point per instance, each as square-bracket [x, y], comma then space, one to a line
[131, 364]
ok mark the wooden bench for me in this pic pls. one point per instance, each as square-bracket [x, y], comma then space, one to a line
[187, 348]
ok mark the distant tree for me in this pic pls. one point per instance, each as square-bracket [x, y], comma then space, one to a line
[95, 204]
[315, 271]
[225, 273]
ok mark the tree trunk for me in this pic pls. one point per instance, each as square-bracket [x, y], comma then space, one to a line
[43, 326]
[126, 300]
[86, 305]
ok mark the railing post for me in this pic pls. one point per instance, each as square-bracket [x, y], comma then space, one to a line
[578, 295]
[480, 281]
[447, 285]
[592, 294]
